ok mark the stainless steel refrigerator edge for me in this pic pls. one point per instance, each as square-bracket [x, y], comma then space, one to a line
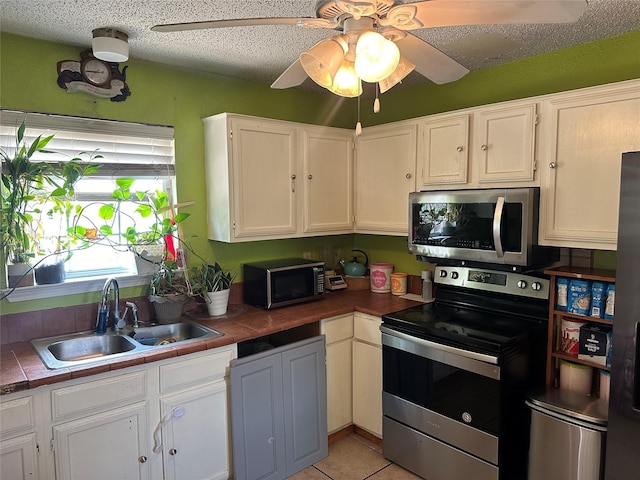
[623, 436]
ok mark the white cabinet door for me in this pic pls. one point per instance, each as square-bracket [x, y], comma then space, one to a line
[385, 175]
[194, 434]
[338, 332]
[504, 143]
[367, 387]
[18, 458]
[585, 136]
[105, 446]
[328, 180]
[443, 146]
[367, 373]
[265, 178]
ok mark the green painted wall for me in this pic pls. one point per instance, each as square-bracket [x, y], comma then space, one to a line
[165, 95]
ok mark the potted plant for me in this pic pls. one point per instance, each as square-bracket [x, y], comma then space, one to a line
[213, 284]
[27, 188]
[169, 290]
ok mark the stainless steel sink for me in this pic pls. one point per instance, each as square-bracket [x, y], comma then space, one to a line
[158, 335]
[87, 347]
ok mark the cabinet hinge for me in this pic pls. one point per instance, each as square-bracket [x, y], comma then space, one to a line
[535, 165]
[535, 119]
[231, 134]
[38, 448]
[52, 445]
[233, 224]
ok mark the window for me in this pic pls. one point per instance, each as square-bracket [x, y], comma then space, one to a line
[121, 149]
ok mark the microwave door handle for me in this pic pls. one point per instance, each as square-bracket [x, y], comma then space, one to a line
[497, 220]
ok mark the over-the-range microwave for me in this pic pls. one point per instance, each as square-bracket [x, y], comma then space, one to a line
[276, 283]
[495, 226]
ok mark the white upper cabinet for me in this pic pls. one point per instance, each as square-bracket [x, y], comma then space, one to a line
[269, 179]
[504, 143]
[585, 134]
[443, 146]
[478, 148]
[385, 175]
[328, 180]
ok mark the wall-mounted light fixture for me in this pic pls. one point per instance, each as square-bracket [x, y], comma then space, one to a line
[110, 45]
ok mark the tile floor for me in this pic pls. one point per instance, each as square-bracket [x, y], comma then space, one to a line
[353, 457]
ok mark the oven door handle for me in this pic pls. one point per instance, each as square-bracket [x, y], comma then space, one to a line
[480, 363]
[497, 220]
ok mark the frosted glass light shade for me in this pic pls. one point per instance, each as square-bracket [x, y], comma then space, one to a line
[403, 69]
[346, 82]
[322, 61]
[110, 45]
[376, 57]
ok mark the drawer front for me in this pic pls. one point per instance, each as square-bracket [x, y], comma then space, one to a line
[16, 416]
[337, 328]
[195, 371]
[98, 395]
[367, 329]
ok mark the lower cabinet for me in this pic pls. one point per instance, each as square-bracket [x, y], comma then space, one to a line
[367, 373]
[278, 410]
[105, 446]
[162, 420]
[18, 439]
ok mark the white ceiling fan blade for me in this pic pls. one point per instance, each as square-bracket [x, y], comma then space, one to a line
[444, 13]
[246, 22]
[291, 77]
[429, 61]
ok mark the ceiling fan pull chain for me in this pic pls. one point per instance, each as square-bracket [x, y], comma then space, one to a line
[358, 125]
[376, 102]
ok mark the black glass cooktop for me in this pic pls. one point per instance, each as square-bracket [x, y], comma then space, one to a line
[463, 327]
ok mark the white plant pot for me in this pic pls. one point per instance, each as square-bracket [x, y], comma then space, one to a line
[217, 302]
[148, 258]
[20, 275]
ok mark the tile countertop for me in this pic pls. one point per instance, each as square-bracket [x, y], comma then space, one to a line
[22, 369]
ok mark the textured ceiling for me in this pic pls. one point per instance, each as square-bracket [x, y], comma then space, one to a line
[262, 53]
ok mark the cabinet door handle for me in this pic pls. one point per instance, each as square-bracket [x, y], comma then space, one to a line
[459, 149]
[173, 451]
[407, 176]
[142, 459]
[483, 147]
[310, 177]
[552, 165]
[293, 183]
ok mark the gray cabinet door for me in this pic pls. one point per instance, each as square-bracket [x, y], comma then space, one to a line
[279, 410]
[305, 404]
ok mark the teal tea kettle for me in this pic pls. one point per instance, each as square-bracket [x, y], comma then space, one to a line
[355, 268]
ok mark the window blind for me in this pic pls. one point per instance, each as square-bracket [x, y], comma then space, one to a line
[127, 149]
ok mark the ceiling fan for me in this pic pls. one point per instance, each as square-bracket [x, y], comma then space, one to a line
[393, 20]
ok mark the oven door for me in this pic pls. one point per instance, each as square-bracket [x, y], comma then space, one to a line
[493, 225]
[445, 392]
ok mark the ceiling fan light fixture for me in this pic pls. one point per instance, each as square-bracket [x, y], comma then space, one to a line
[110, 45]
[323, 60]
[346, 83]
[376, 57]
[403, 69]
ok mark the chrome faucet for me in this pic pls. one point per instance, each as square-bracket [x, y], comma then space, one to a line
[102, 322]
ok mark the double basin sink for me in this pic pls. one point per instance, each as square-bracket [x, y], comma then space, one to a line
[84, 348]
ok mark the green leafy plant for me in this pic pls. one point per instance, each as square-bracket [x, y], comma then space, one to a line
[210, 278]
[32, 189]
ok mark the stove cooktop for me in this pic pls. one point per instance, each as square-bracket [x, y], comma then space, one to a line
[463, 327]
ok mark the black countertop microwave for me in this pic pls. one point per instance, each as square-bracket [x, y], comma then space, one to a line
[276, 283]
[488, 226]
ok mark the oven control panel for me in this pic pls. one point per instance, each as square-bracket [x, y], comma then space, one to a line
[512, 283]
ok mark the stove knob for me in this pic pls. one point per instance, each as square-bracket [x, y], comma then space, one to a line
[454, 275]
[522, 284]
[537, 286]
[443, 273]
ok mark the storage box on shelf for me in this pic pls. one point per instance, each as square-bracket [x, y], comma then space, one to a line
[555, 353]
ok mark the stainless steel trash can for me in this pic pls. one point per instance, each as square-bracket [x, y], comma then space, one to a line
[568, 433]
